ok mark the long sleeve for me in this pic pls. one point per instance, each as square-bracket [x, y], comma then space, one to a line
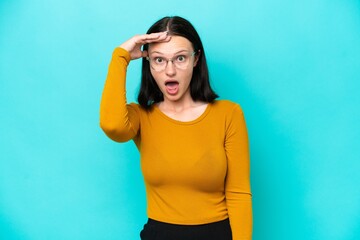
[119, 120]
[237, 187]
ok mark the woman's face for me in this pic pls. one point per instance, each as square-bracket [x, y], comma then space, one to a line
[171, 65]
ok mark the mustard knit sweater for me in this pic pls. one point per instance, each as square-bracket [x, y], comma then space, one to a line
[195, 172]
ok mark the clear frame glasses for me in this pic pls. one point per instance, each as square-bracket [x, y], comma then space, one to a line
[180, 61]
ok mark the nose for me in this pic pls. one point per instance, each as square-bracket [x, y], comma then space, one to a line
[170, 69]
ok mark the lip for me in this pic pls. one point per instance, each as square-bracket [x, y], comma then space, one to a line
[171, 81]
[171, 87]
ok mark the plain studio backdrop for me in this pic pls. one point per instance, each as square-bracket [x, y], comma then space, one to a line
[294, 66]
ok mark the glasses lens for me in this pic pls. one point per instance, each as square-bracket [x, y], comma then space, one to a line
[180, 62]
[158, 63]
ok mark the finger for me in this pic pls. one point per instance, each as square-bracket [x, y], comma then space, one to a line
[153, 36]
[146, 38]
[161, 38]
[166, 39]
[158, 34]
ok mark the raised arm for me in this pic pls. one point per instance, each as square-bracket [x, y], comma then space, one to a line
[237, 187]
[119, 120]
[115, 119]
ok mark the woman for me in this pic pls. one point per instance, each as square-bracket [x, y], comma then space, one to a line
[193, 148]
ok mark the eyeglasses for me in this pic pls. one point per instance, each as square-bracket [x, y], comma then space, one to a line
[180, 61]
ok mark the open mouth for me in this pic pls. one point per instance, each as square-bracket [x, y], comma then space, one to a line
[171, 83]
[172, 87]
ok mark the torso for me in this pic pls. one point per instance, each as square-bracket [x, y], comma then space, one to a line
[184, 161]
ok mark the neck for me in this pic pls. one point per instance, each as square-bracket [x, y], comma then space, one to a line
[177, 106]
[183, 111]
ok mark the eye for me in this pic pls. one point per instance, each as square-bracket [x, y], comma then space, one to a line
[181, 58]
[158, 60]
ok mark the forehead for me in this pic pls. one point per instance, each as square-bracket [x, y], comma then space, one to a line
[175, 44]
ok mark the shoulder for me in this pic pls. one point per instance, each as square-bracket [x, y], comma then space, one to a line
[231, 114]
[226, 106]
[136, 107]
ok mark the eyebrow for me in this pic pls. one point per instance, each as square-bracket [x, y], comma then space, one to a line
[152, 52]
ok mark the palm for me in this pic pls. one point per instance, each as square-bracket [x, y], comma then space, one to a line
[136, 53]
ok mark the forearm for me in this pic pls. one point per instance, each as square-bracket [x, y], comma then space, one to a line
[240, 215]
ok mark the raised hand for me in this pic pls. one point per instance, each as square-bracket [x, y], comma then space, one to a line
[133, 45]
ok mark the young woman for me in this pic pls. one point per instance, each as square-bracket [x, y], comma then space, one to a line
[194, 149]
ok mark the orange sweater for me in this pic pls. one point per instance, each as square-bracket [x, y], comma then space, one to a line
[195, 172]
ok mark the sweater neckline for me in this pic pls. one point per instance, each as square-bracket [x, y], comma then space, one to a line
[196, 120]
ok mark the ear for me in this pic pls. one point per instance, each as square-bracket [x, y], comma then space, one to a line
[196, 57]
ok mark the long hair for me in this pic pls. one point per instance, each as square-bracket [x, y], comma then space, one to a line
[200, 88]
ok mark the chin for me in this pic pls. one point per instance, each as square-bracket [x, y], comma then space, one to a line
[173, 98]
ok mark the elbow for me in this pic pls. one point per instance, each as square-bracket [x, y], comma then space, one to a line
[114, 132]
[107, 127]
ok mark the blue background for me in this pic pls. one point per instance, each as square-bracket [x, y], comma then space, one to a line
[294, 66]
